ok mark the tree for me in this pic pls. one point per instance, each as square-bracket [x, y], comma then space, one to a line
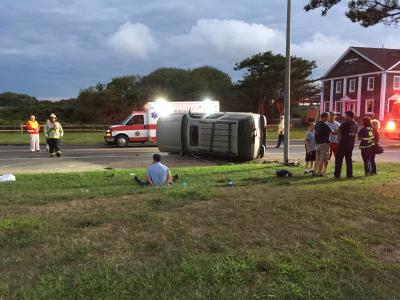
[263, 81]
[365, 12]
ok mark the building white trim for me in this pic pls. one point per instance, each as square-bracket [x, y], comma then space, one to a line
[394, 66]
[355, 75]
[321, 100]
[331, 94]
[344, 86]
[344, 54]
[382, 99]
[359, 90]
[371, 61]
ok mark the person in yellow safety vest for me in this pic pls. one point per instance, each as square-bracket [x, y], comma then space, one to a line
[281, 131]
[53, 132]
[33, 128]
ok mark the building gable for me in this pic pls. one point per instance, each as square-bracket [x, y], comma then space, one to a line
[351, 63]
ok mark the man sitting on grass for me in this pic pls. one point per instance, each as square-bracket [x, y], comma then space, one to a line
[157, 174]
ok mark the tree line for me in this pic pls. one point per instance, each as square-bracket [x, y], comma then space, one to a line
[259, 90]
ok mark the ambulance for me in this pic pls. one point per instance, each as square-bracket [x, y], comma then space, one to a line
[141, 126]
[391, 127]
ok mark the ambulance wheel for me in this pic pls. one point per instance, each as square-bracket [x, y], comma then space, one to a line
[122, 140]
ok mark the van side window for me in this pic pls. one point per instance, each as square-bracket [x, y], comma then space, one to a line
[137, 120]
[194, 135]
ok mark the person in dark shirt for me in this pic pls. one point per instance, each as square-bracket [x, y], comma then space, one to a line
[322, 132]
[347, 137]
[375, 124]
[366, 137]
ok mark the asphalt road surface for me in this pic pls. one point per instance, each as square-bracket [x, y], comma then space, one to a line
[18, 159]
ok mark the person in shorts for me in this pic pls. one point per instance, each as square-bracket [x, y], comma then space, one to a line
[310, 146]
[322, 132]
[333, 137]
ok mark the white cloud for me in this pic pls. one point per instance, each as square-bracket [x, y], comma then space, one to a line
[325, 50]
[133, 40]
[233, 39]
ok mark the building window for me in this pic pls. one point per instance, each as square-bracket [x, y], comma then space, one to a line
[396, 82]
[338, 87]
[352, 85]
[369, 106]
[326, 106]
[371, 83]
[338, 107]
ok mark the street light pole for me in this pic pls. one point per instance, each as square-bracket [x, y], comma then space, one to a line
[287, 85]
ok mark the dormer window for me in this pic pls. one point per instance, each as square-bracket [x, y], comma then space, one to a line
[371, 84]
[338, 87]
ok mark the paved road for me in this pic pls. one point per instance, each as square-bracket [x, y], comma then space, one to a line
[17, 159]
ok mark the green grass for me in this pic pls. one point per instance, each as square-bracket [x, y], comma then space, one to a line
[95, 235]
[69, 138]
[296, 133]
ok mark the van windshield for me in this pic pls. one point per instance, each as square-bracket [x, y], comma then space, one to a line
[126, 120]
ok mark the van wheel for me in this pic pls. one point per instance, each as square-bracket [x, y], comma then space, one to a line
[122, 141]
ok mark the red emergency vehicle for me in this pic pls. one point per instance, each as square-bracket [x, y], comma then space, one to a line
[391, 127]
[141, 126]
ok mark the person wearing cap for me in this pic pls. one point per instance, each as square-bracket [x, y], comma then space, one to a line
[53, 132]
[157, 174]
[281, 131]
[33, 128]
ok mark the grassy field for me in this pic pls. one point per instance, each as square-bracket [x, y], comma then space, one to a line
[97, 137]
[96, 235]
[69, 138]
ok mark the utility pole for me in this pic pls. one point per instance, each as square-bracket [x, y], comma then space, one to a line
[287, 85]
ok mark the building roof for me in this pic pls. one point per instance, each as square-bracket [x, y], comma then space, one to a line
[386, 58]
[381, 58]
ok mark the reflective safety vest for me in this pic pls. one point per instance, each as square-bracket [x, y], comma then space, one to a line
[53, 130]
[33, 127]
[366, 136]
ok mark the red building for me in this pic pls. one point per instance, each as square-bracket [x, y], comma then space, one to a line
[364, 80]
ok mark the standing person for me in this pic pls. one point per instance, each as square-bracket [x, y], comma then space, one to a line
[333, 137]
[310, 148]
[322, 132]
[366, 137]
[54, 132]
[33, 128]
[376, 125]
[281, 131]
[347, 136]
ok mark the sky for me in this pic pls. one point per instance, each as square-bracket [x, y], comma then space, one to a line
[53, 48]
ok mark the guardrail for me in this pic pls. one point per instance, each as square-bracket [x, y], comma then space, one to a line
[82, 128]
[70, 128]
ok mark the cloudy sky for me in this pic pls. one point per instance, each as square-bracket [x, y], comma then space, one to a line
[53, 48]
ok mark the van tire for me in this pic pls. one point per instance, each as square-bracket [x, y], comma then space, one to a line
[122, 140]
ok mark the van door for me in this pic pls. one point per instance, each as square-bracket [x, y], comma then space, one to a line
[137, 131]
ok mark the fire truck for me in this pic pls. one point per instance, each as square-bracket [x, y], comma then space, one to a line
[141, 126]
[391, 127]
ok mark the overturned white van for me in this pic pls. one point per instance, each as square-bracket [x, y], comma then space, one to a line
[229, 134]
